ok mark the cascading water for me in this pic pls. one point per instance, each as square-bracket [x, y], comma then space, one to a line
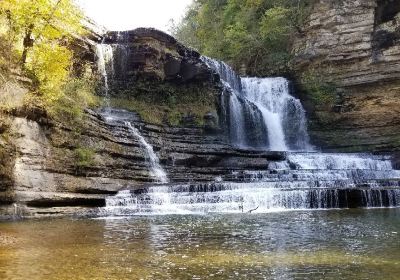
[280, 114]
[106, 55]
[112, 61]
[261, 114]
[243, 119]
[105, 65]
[153, 161]
[283, 114]
[302, 181]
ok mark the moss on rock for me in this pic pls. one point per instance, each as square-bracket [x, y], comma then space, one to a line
[167, 103]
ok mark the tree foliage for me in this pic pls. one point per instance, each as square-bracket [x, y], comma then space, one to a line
[40, 21]
[39, 34]
[50, 64]
[254, 36]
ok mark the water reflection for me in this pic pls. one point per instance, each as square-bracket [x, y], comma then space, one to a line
[348, 244]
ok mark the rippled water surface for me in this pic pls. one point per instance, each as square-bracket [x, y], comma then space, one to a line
[347, 244]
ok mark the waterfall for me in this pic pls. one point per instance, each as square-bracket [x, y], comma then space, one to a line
[237, 198]
[283, 114]
[153, 161]
[112, 63]
[302, 181]
[275, 113]
[226, 73]
[260, 113]
[317, 161]
[105, 65]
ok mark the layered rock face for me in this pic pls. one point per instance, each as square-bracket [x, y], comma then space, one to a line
[48, 179]
[58, 168]
[356, 45]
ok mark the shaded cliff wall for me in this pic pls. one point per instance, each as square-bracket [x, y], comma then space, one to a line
[165, 82]
[353, 47]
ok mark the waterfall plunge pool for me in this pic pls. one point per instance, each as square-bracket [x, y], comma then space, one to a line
[336, 244]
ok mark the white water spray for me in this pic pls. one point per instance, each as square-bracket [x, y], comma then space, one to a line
[282, 115]
[154, 163]
[303, 180]
[272, 98]
[105, 65]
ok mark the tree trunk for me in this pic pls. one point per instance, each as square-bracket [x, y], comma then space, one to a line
[28, 43]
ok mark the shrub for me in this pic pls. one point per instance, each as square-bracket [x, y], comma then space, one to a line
[77, 94]
[5, 123]
[84, 158]
[318, 89]
[37, 35]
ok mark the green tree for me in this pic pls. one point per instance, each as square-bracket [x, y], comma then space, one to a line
[41, 34]
[31, 22]
[40, 31]
[254, 35]
[50, 64]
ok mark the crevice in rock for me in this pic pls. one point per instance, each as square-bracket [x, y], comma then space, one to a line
[386, 11]
[73, 202]
[386, 28]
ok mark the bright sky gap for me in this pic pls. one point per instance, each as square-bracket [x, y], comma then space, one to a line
[122, 15]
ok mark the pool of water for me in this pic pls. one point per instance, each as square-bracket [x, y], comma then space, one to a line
[345, 244]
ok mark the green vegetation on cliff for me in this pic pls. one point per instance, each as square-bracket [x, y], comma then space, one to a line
[254, 36]
[84, 158]
[6, 150]
[321, 92]
[168, 103]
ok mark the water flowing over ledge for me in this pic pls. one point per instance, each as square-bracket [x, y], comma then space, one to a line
[258, 114]
[153, 161]
[303, 181]
[121, 118]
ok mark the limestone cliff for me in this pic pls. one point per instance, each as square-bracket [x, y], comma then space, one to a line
[355, 48]
[61, 167]
[47, 176]
[172, 98]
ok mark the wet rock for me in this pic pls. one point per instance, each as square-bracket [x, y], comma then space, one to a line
[188, 120]
[153, 69]
[396, 160]
[211, 123]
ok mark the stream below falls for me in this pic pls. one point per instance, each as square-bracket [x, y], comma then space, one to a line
[335, 244]
[269, 222]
